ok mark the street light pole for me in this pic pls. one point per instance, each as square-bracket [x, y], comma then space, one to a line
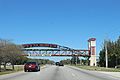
[76, 59]
[106, 54]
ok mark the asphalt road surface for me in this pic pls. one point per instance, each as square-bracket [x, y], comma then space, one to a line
[58, 73]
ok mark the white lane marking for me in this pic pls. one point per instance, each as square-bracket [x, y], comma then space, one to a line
[73, 74]
[76, 77]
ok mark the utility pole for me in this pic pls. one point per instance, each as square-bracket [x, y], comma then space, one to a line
[76, 59]
[106, 54]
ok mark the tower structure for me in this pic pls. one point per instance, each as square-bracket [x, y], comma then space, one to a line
[92, 48]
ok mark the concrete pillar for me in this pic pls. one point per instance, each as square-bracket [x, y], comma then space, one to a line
[92, 48]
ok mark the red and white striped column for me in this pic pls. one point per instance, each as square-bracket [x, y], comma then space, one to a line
[92, 48]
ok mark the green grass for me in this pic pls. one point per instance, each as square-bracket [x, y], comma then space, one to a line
[95, 68]
[9, 70]
[6, 72]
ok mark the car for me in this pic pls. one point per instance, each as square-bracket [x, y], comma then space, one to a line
[118, 66]
[31, 66]
[61, 64]
[57, 63]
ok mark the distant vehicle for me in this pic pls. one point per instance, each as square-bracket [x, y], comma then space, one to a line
[57, 63]
[118, 66]
[31, 66]
[61, 64]
[53, 63]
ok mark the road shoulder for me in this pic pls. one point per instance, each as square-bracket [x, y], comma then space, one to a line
[112, 74]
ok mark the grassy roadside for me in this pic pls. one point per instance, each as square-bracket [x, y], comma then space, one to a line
[95, 68]
[17, 68]
[9, 70]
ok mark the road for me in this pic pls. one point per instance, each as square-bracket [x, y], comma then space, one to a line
[59, 73]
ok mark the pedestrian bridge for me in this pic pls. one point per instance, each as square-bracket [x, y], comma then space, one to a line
[52, 50]
[46, 49]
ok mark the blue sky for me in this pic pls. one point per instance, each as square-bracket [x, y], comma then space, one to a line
[65, 22]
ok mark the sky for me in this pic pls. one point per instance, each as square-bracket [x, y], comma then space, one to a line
[65, 22]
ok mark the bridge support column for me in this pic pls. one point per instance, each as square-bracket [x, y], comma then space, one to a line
[92, 48]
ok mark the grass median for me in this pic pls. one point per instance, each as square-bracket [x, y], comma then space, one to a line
[95, 68]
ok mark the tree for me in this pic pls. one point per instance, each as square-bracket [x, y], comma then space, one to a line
[73, 60]
[3, 56]
[9, 53]
[68, 61]
[102, 58]
[113, 53]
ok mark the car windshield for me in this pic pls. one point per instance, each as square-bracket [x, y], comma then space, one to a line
[59, 39]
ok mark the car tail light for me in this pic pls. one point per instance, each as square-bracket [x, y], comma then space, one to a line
[31, 65]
